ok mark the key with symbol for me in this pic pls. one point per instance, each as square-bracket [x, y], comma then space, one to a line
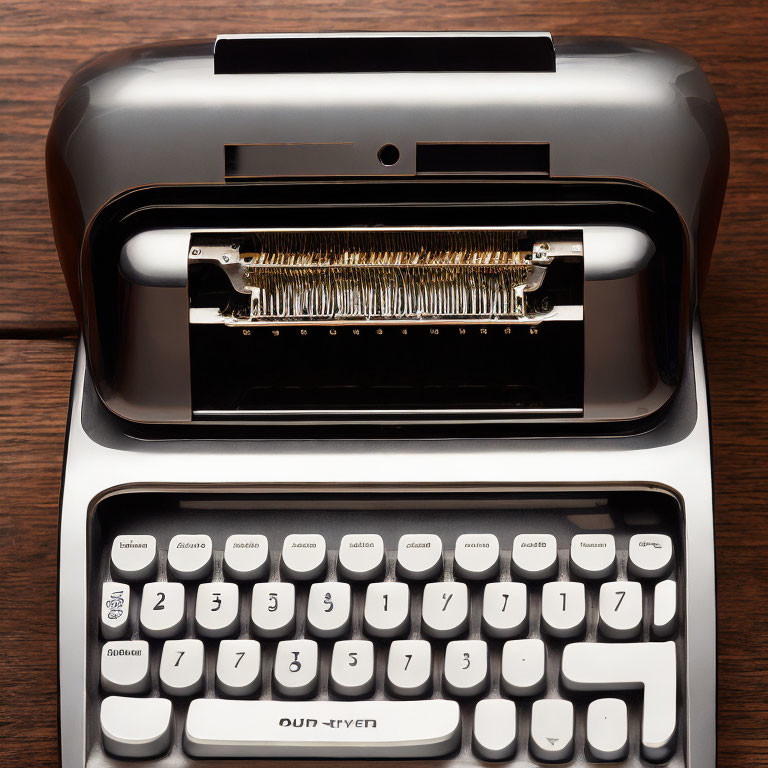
[238, 667]
[163, 609]
[621, 609]
[505, 609]
[409, 668]
[328, 608]
[387, 609]
[465, 672]
[551, 730]
[352, 668]
[181, 667]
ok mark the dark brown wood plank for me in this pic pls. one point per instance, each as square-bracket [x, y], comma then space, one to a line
[43, 42]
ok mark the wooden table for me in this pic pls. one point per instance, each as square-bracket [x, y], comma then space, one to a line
[40, 44]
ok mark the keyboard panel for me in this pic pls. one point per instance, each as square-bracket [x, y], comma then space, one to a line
[564, 557]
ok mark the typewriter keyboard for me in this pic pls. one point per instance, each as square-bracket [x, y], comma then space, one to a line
[545, 636]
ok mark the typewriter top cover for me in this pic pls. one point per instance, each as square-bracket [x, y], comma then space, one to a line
[386, 228]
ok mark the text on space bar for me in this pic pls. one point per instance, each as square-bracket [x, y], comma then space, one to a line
[360, 729]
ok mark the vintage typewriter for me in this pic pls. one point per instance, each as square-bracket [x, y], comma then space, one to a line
[389, 427]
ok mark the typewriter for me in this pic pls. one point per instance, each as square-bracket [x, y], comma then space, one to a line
[389, 428]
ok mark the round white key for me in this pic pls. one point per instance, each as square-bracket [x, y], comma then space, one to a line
[134, 558]
[534, 555]
[217, 609]
[361, 556]
[135, 728]
[593, 555]
[303, 556]
[419, 556]
[523, 664]
[494, 733]
[125, 666]
[352, 668]
[607, 730]
[328, 608]
[650, 555]
[387, 611]
[273, 609]
[246, 557]
[163, 609]
[115, 606]
[445, 609]
[621, 609]
[476, 556]
[238, 667]
[181, 667]
[563, 608]
[190, 556]
[465, 670]
[665, 608]
[551, 730]
[505, 609]
[295, 668]
[409, 668]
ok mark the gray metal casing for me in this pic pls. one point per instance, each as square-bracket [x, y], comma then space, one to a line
[158, 117]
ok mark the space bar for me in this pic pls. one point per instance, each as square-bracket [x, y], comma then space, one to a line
[360, 729]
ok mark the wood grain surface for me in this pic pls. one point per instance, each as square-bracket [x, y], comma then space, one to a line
[41, 43]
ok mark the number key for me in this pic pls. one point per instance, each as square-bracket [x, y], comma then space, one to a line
[181, 667]
[505, 609]
[295, 668]
[217, 610]
[273, 609]
[563, 608]
[163, 609]
[238, 667]
[328, 608]
[621, 609]
[409, 668]
[387, 609]
[466, 667]
[352, 668]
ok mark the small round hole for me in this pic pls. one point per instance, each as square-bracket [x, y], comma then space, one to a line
[389, 154]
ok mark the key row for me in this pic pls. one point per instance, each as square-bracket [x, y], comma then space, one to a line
[387, 609]
[361, 557]
[133, 727]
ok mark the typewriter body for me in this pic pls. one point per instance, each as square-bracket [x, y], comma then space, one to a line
[389, 426]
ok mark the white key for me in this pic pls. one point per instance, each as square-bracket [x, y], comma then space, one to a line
[607, 730]
[593, 555]
[419, 556]
[445, 609]
[523, 665]
[476, 556]
[246, 557]
[273, 609]
[136, 728]
[134, 558]
[125, 666]
[115, 606]
[563, 608]
[551, 730]
[387, 609]
[409, 668]
[163, 609]
[361, 556]
[181, 667]
[505, 609]
[465, 669]
[238, 667]
[190, 556]
[665, 608]
[217, 609]
[625, 666]
[352, 668]
[494, 733]
[328, 608]
[534, 555]
[364, 730]
[650, 555]
[295, 668]
[621, 609]
[303, 556]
